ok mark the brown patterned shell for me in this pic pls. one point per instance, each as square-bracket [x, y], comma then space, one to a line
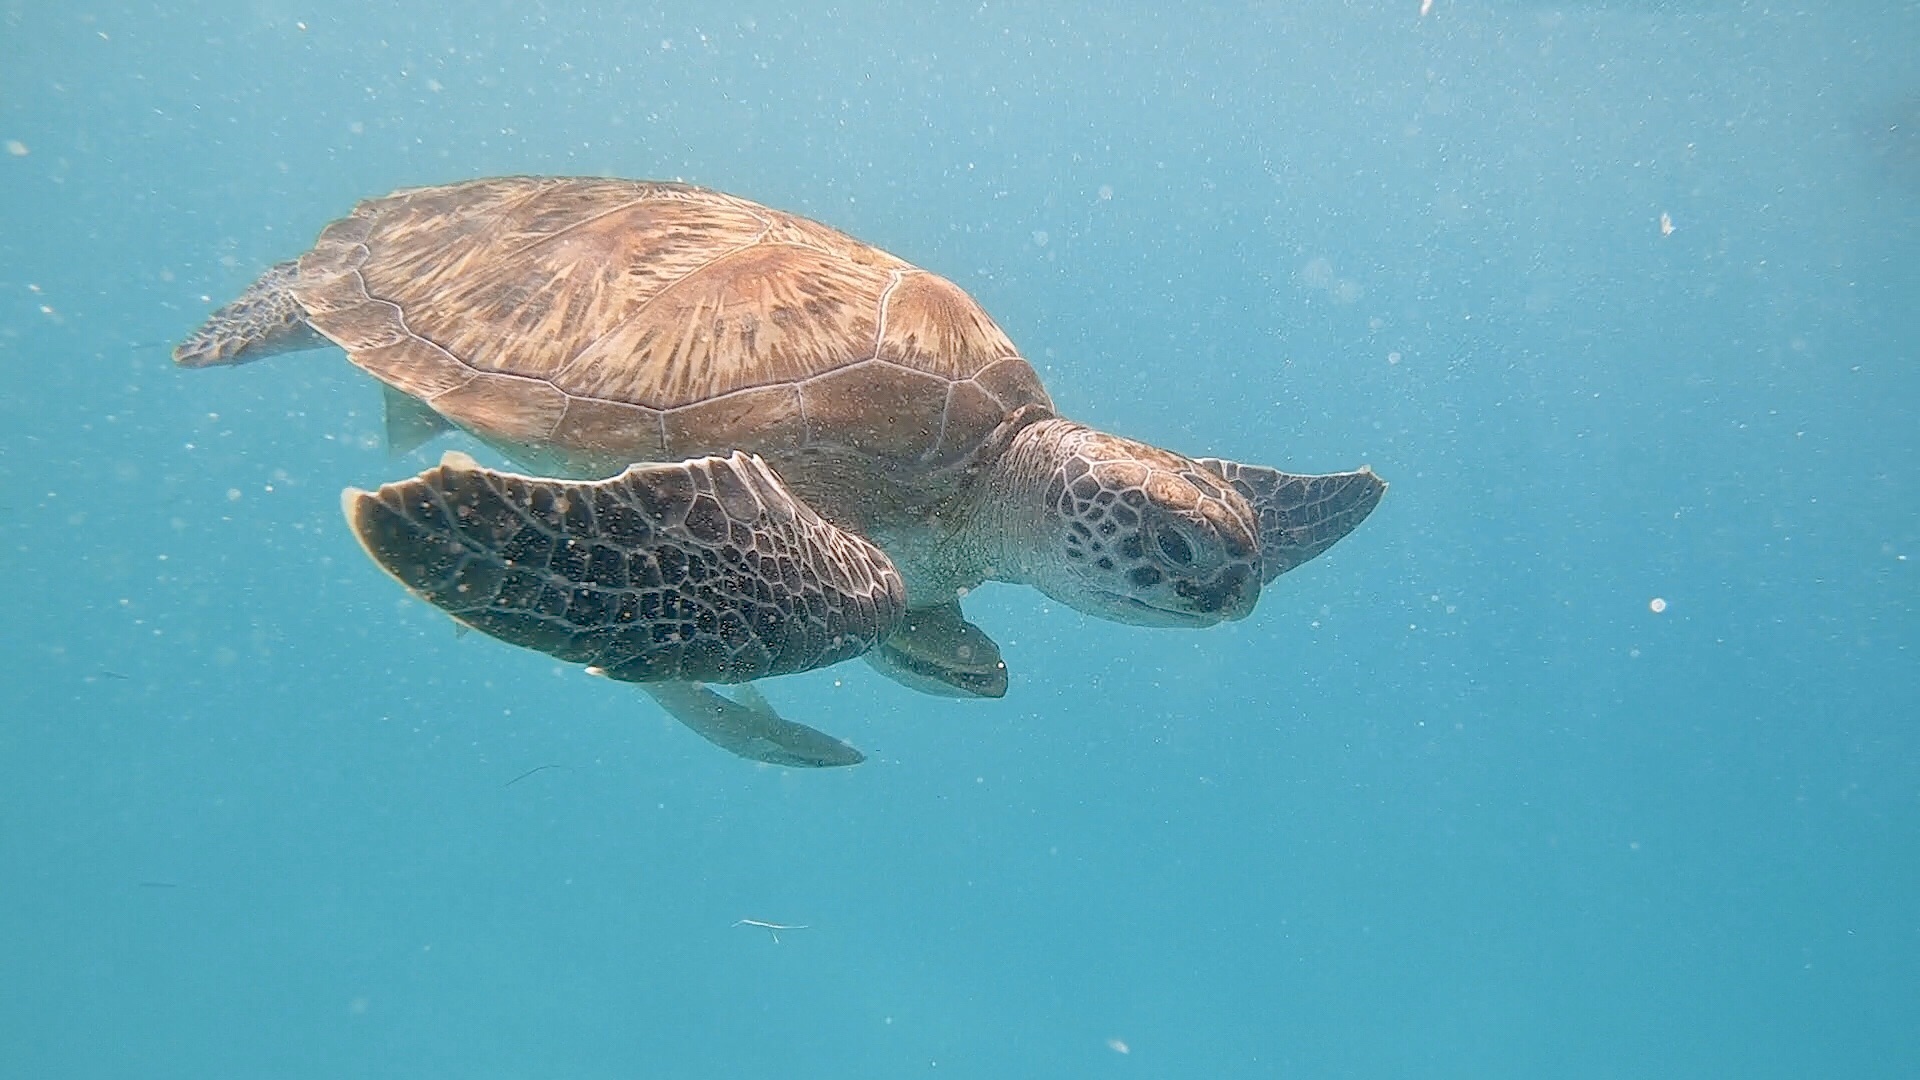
[612, 321]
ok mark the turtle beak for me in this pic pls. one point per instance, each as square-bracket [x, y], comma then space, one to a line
[1229, 596]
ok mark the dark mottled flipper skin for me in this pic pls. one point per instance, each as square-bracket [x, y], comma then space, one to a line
[706, 570]
[1300, 516]
[264, 321]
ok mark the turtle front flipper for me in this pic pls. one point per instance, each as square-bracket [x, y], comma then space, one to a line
[937, 651]
[746, 725]
[1300, 516]
[707, 570]
[263, 321]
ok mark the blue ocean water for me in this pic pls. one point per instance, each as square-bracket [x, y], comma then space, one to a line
[1622, 298]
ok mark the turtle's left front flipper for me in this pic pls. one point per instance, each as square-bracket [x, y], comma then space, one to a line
[706, 570]
[1300, 516]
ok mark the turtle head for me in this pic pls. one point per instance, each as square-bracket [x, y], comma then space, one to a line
[1137, 534]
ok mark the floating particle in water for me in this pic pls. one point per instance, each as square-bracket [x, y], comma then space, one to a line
[1106, 192]
[1119, 1046]
[1657, 605]
[1317, 273]
[1040, 238]
[1666, 223]
[17, 148]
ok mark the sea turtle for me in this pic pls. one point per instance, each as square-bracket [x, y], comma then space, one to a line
[759, 446]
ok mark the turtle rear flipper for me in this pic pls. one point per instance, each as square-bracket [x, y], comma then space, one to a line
[1300, 516]
[707, 570]
[263, 321]
[411, 423]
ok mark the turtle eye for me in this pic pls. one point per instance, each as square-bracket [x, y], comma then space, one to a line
[1174, 546]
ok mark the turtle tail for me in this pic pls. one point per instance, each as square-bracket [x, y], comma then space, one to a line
[263, 321]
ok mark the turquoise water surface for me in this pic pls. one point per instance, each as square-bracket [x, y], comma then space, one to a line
[1622, 298]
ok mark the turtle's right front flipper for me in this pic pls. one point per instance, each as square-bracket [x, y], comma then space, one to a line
[707, 570]
[1299, 516]
[261, 322]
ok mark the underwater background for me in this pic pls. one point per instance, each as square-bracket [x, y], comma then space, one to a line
[1623, 299]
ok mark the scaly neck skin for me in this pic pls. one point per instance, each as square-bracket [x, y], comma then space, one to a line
[1010, 529]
